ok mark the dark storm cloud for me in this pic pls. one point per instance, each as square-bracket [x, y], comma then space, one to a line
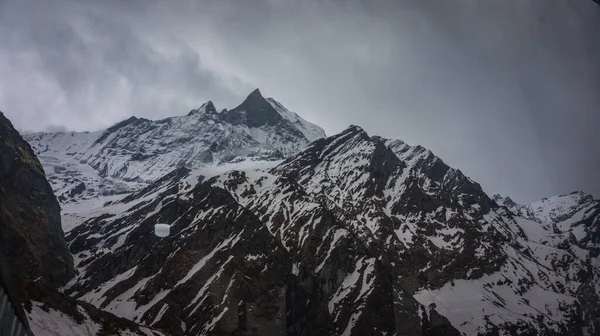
[505, 91]
[70, 63]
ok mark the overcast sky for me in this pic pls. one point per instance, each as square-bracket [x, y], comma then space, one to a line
[506, 91]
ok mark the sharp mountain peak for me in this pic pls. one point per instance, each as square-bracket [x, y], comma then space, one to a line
[208, 107]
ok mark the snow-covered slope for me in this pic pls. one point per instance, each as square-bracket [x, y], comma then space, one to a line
[508, 203]
[354, 235]
[563, 232]
[137, 151]
[576, 215]
[46, 321]
[52, 313]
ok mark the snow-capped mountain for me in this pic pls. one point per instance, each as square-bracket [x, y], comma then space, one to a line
[133, 153]
[576, 215]
[277, 230]
[354, 235]
[566, 223]
[507, 202]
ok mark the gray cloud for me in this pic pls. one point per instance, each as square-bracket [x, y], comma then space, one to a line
[71, 64]
[505, 91]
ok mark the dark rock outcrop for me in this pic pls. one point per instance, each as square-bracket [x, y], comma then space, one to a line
[255, 111]
[31, 236]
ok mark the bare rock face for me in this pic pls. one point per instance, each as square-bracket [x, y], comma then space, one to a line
[31, 236]
[255, 111]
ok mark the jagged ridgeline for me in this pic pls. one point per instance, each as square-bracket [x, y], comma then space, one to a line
[137, 151]
[276, 229]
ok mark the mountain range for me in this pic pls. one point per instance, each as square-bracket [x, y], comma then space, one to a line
[137, 151]
[277, 229]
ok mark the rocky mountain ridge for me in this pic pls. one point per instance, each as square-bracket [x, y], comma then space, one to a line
[354, 235]
[576, 214]
[137, 151]
[273, 234]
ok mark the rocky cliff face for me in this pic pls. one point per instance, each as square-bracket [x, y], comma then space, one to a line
[354, 235]
[31, 236]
